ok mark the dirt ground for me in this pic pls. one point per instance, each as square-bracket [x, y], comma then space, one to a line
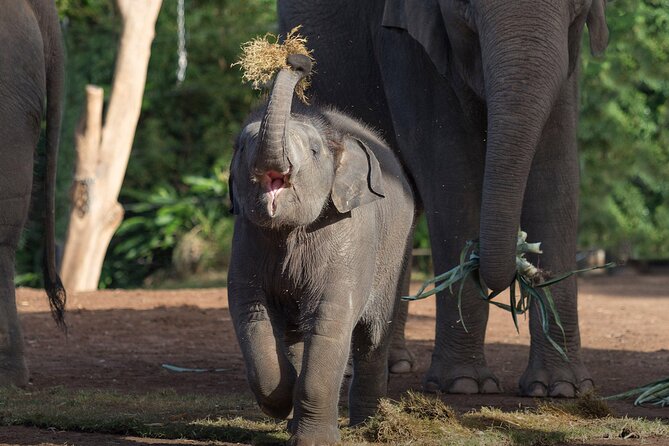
[119, 339]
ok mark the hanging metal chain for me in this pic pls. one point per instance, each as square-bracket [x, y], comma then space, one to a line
[181, 50]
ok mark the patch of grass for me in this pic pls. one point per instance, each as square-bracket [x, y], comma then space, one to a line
[163, 414]
[416, 419]
[571, 421]
[423, 420]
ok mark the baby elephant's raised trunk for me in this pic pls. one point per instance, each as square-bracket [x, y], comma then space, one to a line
[275, 152]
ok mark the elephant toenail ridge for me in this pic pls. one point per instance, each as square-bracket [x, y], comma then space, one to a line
[490, 386]
[563, 389]
[400, 367]
[432, 387]
[464, 385]
[537, 390]
[587, 385]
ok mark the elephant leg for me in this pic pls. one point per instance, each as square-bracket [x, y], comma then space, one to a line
[13, 369]
[294, 344]
[270, 374]
[451, 203]
[17, 142]
[440, 147]
[550, 216]
[400, 359]
[458, 360]
[370, 373]
[326, 351]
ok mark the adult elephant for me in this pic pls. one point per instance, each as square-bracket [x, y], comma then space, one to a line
[30, 75]
[480, 100]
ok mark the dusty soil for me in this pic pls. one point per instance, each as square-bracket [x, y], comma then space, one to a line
[119, 339]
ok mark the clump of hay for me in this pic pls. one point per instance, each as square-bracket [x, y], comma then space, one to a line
[425, 407]
[414, 416]
[264, 56]
[588, 406]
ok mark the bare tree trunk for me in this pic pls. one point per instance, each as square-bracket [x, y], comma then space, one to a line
[103, 150]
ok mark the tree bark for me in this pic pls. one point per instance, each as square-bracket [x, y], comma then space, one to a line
[103, 150]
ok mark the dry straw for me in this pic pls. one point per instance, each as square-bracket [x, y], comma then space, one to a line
[264, 56]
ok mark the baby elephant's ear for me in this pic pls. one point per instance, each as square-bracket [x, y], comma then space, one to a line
[357, 178]
[234, 207]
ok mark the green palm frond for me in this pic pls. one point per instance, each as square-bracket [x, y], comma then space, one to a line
[531, 284]
[655, 393]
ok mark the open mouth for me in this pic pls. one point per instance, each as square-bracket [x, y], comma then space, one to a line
[274, 183]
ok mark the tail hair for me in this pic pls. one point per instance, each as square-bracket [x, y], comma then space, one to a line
[55, 291]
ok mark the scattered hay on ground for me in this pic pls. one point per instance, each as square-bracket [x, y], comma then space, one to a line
[416, 419]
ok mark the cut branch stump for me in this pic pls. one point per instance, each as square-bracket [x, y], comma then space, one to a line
[103, 150]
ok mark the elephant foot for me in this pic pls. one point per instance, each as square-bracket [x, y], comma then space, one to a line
[400, 360]
[13, 373]
[561, 381]
[463, 380]
[324, 436]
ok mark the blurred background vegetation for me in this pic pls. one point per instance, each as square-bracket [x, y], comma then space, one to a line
[175, 191]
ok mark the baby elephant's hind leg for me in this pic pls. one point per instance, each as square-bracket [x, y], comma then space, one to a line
[400, 359]
[370, 370]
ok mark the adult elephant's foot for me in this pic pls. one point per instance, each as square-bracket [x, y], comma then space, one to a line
[13, 372]
[400, 360]
[461, 379]
[328, 435]
[563, 380]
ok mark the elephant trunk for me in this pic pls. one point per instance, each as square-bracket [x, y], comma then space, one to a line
[524, 70]
[274, 150]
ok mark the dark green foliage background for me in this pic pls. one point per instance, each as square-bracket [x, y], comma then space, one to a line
[624, 134]
[176, 181]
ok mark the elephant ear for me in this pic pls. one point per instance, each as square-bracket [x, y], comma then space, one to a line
[234, 206]
[599, 31]
[422, 19]
[357, 177]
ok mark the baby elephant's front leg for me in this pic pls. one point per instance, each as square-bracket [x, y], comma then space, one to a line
[270, 374]
[326, 353]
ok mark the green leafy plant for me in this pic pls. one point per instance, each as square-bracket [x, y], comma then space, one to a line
[624, 135]
[531, 283]
[159, 219]
[655, 393]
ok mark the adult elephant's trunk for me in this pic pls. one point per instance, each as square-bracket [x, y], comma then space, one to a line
[524, 69]
[274, 151]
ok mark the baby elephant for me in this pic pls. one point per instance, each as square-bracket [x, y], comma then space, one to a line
[320, 250]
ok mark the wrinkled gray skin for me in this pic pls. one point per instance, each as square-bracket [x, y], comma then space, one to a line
[30, 76]
[320, 246]
[480, 100]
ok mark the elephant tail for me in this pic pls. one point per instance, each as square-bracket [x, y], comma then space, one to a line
[54, 61]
